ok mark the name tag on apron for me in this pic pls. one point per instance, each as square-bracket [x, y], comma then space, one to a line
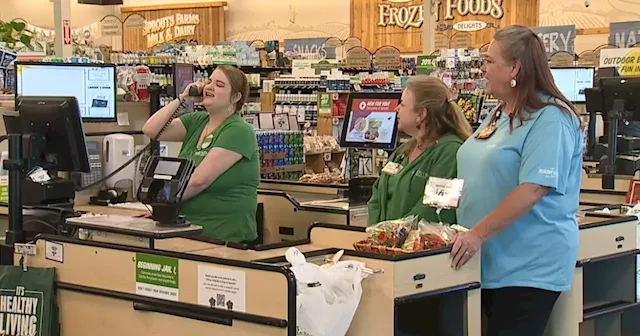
[392, 168]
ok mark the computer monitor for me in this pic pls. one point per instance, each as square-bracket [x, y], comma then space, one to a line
[573, 81]
[617, 99]
[56, 120]
[371, 121]
[93, 85]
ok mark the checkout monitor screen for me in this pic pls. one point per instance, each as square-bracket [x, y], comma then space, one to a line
[371, 121]
[93, 85]
[573, 81]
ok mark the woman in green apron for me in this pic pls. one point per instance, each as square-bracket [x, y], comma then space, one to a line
[222, 194]
[437, 128]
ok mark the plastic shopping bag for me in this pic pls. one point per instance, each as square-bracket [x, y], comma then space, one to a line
[328, 296]
[28, 302]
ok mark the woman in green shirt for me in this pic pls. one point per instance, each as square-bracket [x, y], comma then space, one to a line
[222, 194]
[437, 128]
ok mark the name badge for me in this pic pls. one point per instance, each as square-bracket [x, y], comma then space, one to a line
[442, 193]
[392, 168]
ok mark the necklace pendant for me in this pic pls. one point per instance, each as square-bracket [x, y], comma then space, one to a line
[487, 132]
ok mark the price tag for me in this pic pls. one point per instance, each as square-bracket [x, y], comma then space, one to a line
[442, 193]
[24, 249]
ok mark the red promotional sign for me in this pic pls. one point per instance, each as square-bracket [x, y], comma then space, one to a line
[66, 31]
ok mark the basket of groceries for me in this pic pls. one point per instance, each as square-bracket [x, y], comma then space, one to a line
[407, 235]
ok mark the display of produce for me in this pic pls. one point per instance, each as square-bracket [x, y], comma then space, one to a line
[407, 235]
[281, 154]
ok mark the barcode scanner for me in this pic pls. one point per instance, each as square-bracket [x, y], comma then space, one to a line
[194, 92]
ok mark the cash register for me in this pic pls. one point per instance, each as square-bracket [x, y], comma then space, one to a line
[163, 184]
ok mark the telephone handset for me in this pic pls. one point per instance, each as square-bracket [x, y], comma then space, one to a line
[194, 91]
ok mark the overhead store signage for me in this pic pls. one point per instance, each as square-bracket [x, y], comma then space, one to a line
[110, 26]
[387, 58]
[169, 28]
[310, 68]
[469, 26]
[134, 21]
[402, 13]
[626, 60]
[624, 34]
[557, 38]
[358, 58]
[492, 8]
[310, 46]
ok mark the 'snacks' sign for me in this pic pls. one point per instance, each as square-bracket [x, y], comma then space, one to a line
[169, 28]
[407, 14]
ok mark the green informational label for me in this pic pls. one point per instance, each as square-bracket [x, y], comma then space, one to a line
[425, 64]
[325, 103]
[157, 277]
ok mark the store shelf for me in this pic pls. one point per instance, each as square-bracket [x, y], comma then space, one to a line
[324, 152]
[597, 309]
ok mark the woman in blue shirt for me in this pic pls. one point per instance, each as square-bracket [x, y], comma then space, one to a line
[522, 175]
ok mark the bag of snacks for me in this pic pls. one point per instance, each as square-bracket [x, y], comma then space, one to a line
[407, 235]
[392, 233]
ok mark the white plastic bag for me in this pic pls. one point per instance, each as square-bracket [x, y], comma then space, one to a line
[328, 296]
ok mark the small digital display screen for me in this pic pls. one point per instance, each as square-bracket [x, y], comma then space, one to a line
[167, 168]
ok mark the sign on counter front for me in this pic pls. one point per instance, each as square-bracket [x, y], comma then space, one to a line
[557, 38]
[624, 34]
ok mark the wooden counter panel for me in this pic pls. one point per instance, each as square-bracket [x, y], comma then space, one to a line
[375, 314]
[115, 270]
[340, 239]
[86, 314]
[251, 255]
[107, 210]
[607, 239]
[182, 245]
[438, 274]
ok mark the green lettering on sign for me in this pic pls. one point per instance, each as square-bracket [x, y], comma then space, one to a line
[157, 270]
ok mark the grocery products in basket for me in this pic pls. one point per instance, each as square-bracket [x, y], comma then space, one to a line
[407, 235]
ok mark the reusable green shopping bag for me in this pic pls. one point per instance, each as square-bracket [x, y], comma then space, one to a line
[27, 301]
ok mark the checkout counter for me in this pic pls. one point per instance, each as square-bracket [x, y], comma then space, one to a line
[289, 208]
[99, 293]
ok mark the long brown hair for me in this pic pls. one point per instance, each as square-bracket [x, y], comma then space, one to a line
[444, 116]
[238, 82]
[520, 44]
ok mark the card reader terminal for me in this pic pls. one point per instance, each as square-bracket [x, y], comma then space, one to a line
[163, 184]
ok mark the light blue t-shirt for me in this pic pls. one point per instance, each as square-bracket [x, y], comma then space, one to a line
[540, 249]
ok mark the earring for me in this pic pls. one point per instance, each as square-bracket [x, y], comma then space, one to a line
[513, 83]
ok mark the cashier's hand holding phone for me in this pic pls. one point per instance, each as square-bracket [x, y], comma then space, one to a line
[189, 96]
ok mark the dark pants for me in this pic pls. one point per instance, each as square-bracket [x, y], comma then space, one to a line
[517, 311]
